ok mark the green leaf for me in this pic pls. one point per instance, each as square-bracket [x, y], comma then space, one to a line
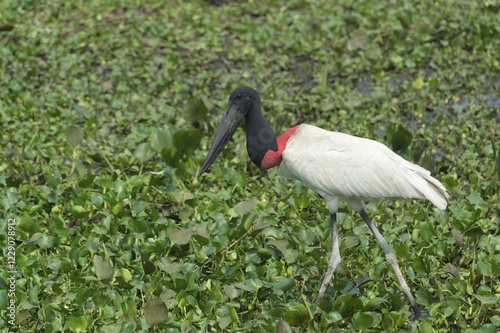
[196, 109]
[78, 212]
[488, 328]
[42, 240]
[495, 320]
[362, 321]
[102, 267]
[458, 236]
[254, 284]
[452, 306]
[282, 327]
[139, 207]
[244, 207]
[179, 236]
[224, 321]
[260, 224]
[120, 187]
[349, 242]
[97, 200]
[74, 135]
[373, 303]
[452, 269]
[135, 181]
[187, 141]
[126, 274]
[296, 314]
[234, 315]
[231, 291]
[141, 152]
[280, 244]
[87, 181]
[484, 268]
[168, 156]
[127, 327]
[283, 285]
[306, 236]
[33, 294]
[161, 138]
[216, 295]
[77, 324]
[418, 84]
[155, 311]
[427, 231]
[399, 138]
[202, 234]
[473, 232]
[105, 183]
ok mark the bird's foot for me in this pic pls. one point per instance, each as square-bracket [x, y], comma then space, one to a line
[419, 311]
[325, 303]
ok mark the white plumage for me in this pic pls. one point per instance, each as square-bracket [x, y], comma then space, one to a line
[353, 169]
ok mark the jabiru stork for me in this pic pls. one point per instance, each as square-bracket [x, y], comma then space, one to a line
[337, 166]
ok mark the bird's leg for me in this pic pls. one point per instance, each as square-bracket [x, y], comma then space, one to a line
[391, 258]
[334, 257]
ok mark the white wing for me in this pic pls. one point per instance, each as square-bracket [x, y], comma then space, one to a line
[352, 168]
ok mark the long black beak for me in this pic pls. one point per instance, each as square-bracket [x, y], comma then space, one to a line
[229, 123]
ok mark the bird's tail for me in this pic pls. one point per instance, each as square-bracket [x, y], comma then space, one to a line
[427, 186]
[434, 191]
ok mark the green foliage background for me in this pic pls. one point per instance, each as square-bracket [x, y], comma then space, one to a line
[107, 110]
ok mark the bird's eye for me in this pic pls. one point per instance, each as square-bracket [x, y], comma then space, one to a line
[238, 96]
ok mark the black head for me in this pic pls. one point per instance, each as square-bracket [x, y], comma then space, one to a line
[243, 98]
[240, 103]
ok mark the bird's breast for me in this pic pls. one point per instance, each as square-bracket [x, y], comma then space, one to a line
[273, 158]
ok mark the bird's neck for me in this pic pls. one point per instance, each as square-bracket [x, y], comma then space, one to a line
[260, 136]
